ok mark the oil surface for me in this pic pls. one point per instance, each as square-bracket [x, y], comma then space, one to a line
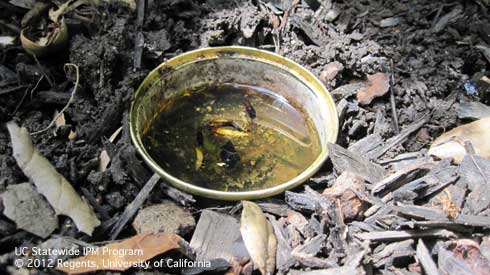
[232, 137]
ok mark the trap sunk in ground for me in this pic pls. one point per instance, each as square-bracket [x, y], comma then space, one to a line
[233, 123]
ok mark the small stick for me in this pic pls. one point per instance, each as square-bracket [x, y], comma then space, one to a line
[67, 104]
[134, 206]
[392, 97]
[139, 40]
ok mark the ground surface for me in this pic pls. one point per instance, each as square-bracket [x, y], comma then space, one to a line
[432, 45]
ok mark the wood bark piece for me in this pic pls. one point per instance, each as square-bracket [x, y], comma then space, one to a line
[346, 91]
[344, 270]
[259, 238]
[301, 202]
[425, 259]
[401, 177]
[367, 146]
[284, 258]
[51, 184]
[392, 251]
[401, 137]
[165, 217]
[344, 160]
[28, 209]
[217, 236]
[473, 110]
[381, 236]
[474, 171]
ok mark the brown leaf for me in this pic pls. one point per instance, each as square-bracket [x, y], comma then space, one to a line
[51, 184]
[145, 246]
[259, 237]
[452, 143]
[378, 84]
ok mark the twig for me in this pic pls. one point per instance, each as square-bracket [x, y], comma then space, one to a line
[392, 97]
[134, 206]
[139, 40]
[287, 13]
[69, 101]
[27, 92]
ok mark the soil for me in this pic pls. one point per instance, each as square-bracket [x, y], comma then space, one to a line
[430, 43]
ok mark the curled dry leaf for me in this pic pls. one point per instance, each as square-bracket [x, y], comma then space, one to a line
[259, 237]
[51, 184]
[378, 84]
[55, 40]
[452, 143]
[122, 255]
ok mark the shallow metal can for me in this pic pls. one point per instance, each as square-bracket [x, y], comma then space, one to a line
[233, 64]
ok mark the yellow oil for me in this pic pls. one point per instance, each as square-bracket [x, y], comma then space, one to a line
[232, 137]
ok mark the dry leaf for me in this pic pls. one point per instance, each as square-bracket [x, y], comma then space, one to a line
[451, 144]
[104, 158]
[115, 134]
[51, 184]
[259, 237]
[377, 85]
[143, 247]
[59, 120]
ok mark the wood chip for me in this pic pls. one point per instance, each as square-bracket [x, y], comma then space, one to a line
[344, 160]
[28, 209]
[217, 236]
[134, 206]
[425, 259]
[284, 258]
[380, 236]
[345, 270]
[473, 110]
[165, 217]
[393, 251]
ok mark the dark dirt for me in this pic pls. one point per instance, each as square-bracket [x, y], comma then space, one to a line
[432, 45]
